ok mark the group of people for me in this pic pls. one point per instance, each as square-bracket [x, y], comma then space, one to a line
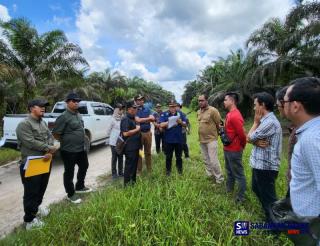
[35, 139]
[134, 127]
[299, 102]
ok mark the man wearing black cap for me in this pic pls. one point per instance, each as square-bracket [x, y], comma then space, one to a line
[131, 134]
[144, 117]
[34, 139]
[173, 135]
[158, 132]
[69, 130]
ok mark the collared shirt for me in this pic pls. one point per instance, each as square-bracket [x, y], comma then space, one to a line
[144, 112]
[69, 125]
[127, 124]
[267, 158]
[114, 131]
[305, 170]
[208, 118]
[173, 134]
[156, 116]
[34, 137]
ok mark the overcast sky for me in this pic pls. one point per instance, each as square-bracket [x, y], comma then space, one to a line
[166, 41]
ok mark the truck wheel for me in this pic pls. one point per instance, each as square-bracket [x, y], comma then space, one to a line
[87, 144]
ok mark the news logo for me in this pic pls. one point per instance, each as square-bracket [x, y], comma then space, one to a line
[241, 228]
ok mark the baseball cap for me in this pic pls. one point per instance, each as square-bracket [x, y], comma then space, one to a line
[131, 104]
[139, 97]
[73, 96]
[38, 102]
[172, 103]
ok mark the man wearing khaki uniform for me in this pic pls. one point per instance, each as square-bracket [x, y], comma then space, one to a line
[209, 120]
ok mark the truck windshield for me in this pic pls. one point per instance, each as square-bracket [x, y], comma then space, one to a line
[61, 107]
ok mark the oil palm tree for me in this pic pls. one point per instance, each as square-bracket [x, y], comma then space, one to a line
[36, 58]
[288, 49]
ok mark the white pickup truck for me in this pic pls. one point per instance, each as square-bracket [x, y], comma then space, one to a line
[96, 117]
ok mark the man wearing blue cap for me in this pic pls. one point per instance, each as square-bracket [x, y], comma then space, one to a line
[173, 137]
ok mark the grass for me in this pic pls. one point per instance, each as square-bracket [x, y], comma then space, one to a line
[180, 210]
[7, 155]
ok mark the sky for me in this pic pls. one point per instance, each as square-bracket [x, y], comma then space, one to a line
[165, 41]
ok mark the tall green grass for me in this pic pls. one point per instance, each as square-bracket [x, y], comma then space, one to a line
[180, 210]
[7, 155]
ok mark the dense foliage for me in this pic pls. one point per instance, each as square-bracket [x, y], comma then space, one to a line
[275, 54]
[48, 65]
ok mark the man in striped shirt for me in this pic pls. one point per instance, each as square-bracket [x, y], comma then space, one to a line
[266, 136]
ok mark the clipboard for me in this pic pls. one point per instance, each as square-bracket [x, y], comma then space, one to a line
[172, 121]
[36, 165]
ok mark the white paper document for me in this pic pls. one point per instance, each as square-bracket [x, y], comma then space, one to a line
[32, 157]
[172, 121]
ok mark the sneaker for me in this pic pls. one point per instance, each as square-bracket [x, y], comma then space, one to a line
[35, 223]
[43, 211]
[84, 190]
[74, 199]
[220, 181]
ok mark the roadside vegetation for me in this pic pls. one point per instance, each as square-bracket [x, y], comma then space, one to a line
[180, 210]
[7, 155]
[273, 55]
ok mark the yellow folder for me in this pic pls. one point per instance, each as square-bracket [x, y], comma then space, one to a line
[141, 153]
[37, 166]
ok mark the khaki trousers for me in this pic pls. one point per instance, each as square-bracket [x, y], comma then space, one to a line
[146, 140]
[210, 156]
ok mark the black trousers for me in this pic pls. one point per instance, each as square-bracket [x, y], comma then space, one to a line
[130, 169]
[34, 189]
[70, 159]
[170, 148]
[263, 185]
[116, 158]
[159, 142]
[185, 147]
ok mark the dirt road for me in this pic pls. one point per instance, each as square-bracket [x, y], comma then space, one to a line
[11, 189]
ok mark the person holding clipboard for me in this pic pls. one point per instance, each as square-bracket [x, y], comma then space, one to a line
[34, 139]
[172, 123]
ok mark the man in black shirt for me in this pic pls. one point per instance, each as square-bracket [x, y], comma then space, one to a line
[131, 134]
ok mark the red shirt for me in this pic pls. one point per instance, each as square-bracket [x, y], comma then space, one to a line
[235, 131]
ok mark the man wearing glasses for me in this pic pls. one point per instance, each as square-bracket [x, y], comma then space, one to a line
[69, 130]
[301, 106]
[209, 119]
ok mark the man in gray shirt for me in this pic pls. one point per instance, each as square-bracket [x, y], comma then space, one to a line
[69, 130]
[34, 139]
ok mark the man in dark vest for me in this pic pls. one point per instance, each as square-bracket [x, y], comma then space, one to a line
[69, 130]
[131, 134]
